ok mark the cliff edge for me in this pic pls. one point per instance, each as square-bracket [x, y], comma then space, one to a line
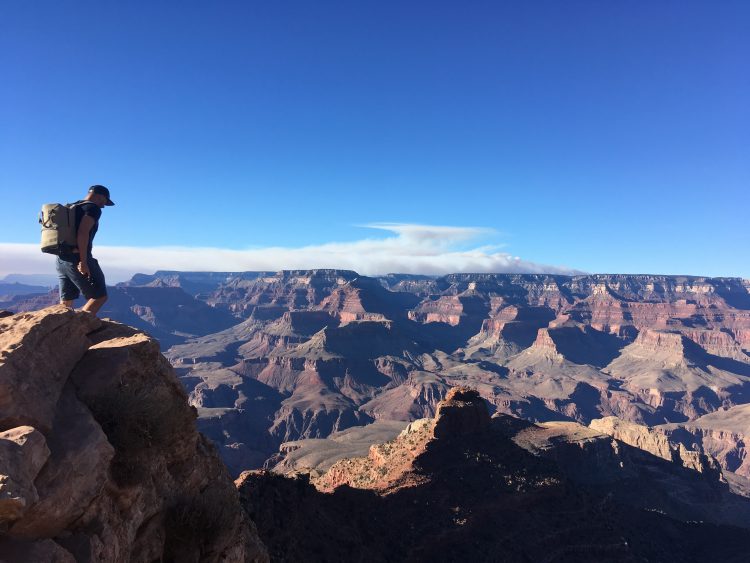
[100, 459]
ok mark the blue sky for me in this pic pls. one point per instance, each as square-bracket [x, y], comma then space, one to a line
[600, 136]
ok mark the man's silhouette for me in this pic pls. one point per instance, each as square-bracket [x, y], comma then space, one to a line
[78, 270]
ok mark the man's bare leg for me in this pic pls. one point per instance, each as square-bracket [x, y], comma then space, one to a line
[93, 305]
[68, 304]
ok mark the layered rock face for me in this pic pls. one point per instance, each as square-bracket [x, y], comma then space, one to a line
[331, 350]
[463, 486]
[724, 434]
[320, 351]
[268, 295]
[100, 459]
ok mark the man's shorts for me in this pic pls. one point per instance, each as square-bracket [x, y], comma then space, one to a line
[73, 283]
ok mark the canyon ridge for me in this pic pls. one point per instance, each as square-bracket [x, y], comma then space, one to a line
[484, 416]
[272, 358]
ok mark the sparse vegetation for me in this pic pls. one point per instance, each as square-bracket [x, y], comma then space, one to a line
[136, 420]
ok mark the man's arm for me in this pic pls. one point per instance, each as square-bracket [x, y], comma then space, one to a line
[87, 223]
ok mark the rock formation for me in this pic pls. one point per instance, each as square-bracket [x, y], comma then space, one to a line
[319, 351]
[541, 347]
[723, 434]
[463, 486]
[100, 459]
[658, 444]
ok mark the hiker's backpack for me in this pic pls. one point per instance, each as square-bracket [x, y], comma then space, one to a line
[59, 227]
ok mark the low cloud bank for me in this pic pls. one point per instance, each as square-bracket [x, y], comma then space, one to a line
[410, 249]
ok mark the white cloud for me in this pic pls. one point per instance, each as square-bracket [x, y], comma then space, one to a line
[411, 249]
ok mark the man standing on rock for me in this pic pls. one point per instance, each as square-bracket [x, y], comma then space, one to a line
[78, 270]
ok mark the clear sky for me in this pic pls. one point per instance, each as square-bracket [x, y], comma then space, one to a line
[599, 136]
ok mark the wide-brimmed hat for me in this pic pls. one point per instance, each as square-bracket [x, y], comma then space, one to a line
[101, 190]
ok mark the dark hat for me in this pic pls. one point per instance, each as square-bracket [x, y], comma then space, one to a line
[101, 190]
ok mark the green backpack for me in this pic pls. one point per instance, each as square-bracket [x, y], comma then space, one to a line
[58, 222]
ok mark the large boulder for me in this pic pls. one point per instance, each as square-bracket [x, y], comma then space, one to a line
[37, 353]
[23, 452]
[100, 459]
[75, 474]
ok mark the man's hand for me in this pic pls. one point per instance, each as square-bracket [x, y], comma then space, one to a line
[83, 267]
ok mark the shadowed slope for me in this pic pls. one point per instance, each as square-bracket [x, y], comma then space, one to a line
[457, 489]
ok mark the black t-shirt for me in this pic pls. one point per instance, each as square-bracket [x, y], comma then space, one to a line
[93, 211]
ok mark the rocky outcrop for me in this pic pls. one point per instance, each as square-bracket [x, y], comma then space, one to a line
[386, 468]
[587, 455]
[723, 434]
[23, 453]
[48, 345]
[461, 412]
[463, 486]
[545, 347]
[657, 444]
[99, 456]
